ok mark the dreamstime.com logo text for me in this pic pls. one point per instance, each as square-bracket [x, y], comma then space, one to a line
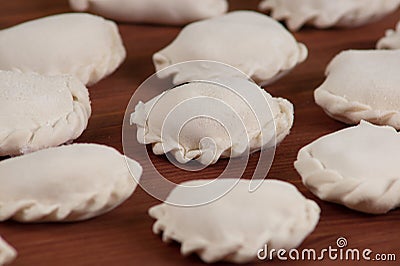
[339, 252]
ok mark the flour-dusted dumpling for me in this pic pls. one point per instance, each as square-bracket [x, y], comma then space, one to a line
[170, 12]
[362, 85]
[328, 13]
[38, 112]
[7, 253]
[86, 46]
[357, 167]
[252, 42]
[237, 225]
[67, 183]
[206, 121]
[391, 40]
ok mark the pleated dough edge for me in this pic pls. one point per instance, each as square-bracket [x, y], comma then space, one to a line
[65, 129]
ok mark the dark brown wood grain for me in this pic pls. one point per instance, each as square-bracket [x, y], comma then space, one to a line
[124, 236]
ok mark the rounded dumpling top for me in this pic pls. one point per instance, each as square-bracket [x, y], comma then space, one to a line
[83, 45]
[235, 226]
[206, 120]
[66, 183]
[171, 12]
[38, 111]
[252, 42]
[357, 167]
[362, 85]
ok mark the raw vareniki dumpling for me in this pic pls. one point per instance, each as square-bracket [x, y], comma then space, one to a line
[328, 13]
[7, 253]
[252, 42]
[67, 183]
[391, 40]
[237, 225]
[206, 121]
[357, 167]
[170, 12]
[86, 46]
[37, 111]
[362, 85]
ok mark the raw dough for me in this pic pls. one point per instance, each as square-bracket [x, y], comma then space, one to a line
[234, 227]
[82, 45]
[328, 13]
[170, 12]
[241, 125]
[7, 253]
[391, 40]
[252, 42]
[67, 183]
[357, 167]
[362, 85]
[38, 112]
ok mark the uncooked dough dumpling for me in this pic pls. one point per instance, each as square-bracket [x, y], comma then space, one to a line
[362, 85]
[38, 112]
[237, 225]
[206, 121]
[328, 13]
[391, 40]
[85, 46]
[67, 183]
[252, 42]
[7, 253]
[357, 167]
[170, 12]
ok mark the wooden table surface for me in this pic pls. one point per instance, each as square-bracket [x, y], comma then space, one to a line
[124, 236]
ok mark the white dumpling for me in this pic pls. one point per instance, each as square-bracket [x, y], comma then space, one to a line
[206, 121]
[86, 46]
[252, 42]
[328, 13]
[7, 253]
[67, 183]
[357, 167]
[170, 12]
[237, 225]
[391, 39]
[38, 112]
[362, 85]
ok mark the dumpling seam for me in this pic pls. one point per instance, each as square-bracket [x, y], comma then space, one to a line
[328, 186]
[79, 115]
[358, 111]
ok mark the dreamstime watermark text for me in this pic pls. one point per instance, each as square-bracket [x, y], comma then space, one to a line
[339, 252]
